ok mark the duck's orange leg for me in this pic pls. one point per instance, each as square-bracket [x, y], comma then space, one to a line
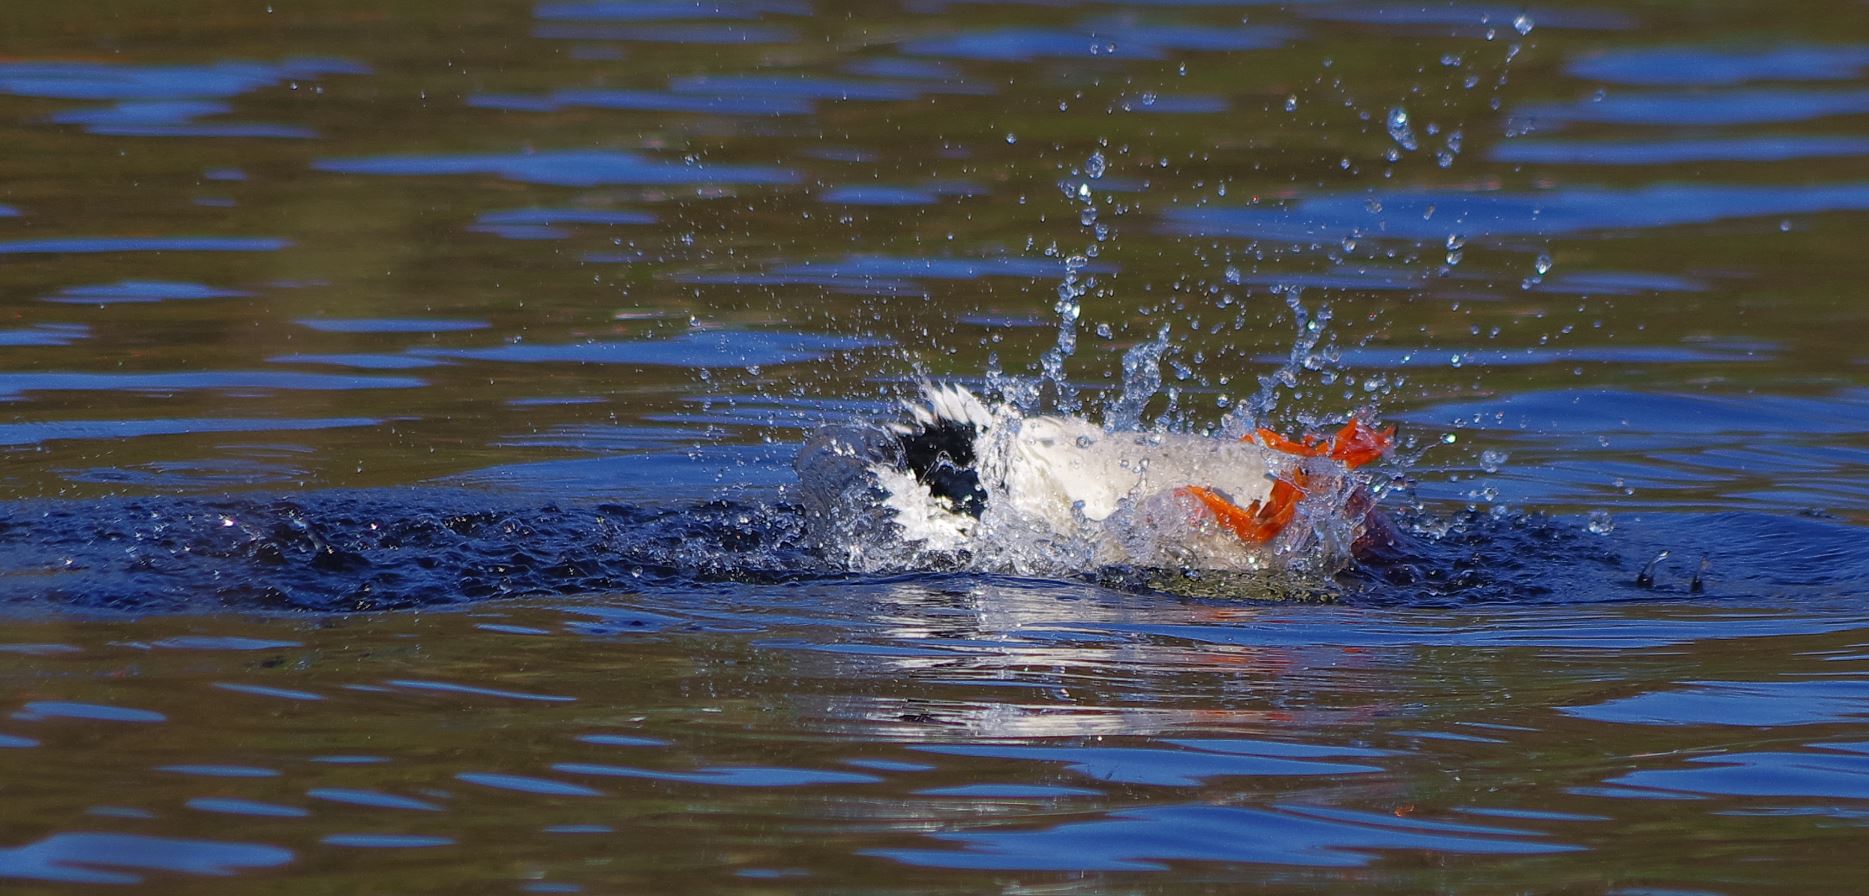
[1356, 444]
[1353, 446]
[1258, 522]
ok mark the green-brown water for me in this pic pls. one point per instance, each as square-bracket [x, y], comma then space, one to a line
[402, 396]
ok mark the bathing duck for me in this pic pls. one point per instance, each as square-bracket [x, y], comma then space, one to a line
[1038, 493]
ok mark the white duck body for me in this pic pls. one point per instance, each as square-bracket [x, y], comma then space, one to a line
[1061, 493]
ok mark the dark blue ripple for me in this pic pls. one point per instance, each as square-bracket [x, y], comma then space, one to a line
[1435, 214]
[140, 291]
[1167, 767]
[1110, 40]
[1674, 151]
[724, 348]
[87, 858]
[92, 245]
[56, 79]
[1699, 108]
[1811, 775]
[1146, 839]
[566, 168]
[1714, 66]
[14, 384]
[85, 430]
[1746, 703]
[725, 776]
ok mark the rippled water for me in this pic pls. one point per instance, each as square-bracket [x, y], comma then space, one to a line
[403, 400]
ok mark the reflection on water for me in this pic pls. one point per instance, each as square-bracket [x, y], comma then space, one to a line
[1010, 726]
[403, 400]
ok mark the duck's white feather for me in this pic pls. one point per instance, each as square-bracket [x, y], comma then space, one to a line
[1069, 478]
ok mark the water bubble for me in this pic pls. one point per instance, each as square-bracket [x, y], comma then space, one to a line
[1011, 137]
[1094, 166]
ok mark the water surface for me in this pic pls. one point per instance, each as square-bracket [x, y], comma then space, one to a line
[402, 402]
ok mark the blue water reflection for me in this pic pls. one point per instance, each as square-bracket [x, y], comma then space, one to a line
[1148, 838]
[391, 324]
[62, 430]
[89, 858]
[1748, 703]
[694, 349]
[253, 808]
[1836, 773]
[1470, 19]
[1433, 215]
[1117, 39]
[1719, 66]
[1698, 108]
[44, 335]
[163, 101]
[140, 292]
[724, 776]
[1187, 767]
[524, 784]
[1657, 151]
[371, 799]
[66, 709]
[14, 385]
[85, 245]
[566, 168]
[549, 223]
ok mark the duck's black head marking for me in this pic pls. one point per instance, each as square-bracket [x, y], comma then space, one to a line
[941, 455]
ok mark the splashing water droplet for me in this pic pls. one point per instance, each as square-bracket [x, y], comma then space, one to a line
[1491, 461]
[1523, 24]
[1400, 131]
[1094, 166]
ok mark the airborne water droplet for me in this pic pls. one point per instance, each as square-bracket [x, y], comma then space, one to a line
[1400, 131]
[1491, 461]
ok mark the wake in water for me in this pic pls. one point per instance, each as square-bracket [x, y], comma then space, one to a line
[959, 484]
[350, 551]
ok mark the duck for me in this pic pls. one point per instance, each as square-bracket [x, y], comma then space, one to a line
[956, 477]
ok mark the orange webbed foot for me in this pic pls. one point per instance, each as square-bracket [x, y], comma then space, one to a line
[1258, 522]
[1353, 446]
